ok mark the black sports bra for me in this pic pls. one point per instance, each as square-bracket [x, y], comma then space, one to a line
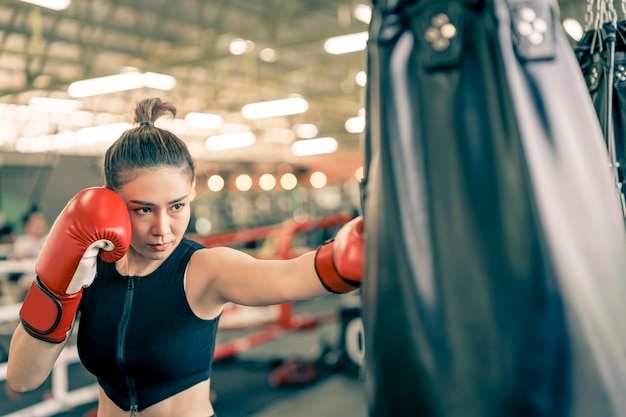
[139, 336]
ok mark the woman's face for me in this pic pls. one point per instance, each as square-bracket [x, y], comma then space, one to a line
[158, 202]
[37, 225]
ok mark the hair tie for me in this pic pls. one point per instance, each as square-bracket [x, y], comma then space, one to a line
[146, 124]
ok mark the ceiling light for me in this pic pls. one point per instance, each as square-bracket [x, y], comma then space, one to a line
[288, 181]
[306, 130]
[346, 43]
[355, 124]
[243, 182]
[360, 78]
[44, 143]
[120, 82]
[363, 13]
[56, 105]
[267, 182]
[50, 4]
[318, 179]
[268, 55]
[314, 146]
[204, 120]
[275, 108]
[215, 183]
[67, 140]
[573, 29]
[158, 81]
[240, 46]
[110, 132]
[230, 141]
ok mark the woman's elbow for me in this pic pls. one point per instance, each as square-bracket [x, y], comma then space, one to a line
[21, 383]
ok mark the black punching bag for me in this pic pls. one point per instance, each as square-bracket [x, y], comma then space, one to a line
[495, 247]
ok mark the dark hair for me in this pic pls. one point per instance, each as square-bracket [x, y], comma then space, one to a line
[145, 146]
[32, 210]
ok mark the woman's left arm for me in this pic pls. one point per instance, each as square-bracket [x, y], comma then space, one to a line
[336, 266]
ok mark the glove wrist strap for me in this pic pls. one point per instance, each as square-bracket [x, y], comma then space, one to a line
[327, 273]
[48, 316]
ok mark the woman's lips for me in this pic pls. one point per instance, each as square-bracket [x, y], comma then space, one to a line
[160, 246]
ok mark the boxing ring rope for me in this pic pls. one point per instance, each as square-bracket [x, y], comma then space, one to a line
[62, 398]
[278, 244]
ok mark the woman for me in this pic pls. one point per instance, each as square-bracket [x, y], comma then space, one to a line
[148, 320]
[28, 245]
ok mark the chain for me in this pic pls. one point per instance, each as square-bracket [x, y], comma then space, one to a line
[599, 17]
[589, 14]
[611, 13]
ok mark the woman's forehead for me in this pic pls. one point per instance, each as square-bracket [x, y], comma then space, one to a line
[157, 182]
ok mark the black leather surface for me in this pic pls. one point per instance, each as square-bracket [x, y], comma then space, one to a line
[495, 247]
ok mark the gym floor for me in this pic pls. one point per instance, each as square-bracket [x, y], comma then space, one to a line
[243, 384]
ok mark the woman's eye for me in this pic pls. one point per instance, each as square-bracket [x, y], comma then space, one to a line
[178, 206]
[143, 210]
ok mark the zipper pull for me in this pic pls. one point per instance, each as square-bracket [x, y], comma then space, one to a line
[133, 410]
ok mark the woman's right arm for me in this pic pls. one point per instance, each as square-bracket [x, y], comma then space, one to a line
[30, 360]
[94, 223]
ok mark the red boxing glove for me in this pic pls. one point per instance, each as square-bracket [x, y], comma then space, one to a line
[339, 262]
[95, 221]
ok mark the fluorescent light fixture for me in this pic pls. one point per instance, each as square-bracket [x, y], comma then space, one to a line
[355, 124]
[230, 141]
[67, 140]
[204, 120]
[121, 82]
[93, 134]
[50, 4]
[314, 146]
[54, 105]
[306, 130]
[158, 81]
[346, 43]
[363, 13]
[43, 143]
[275, 108]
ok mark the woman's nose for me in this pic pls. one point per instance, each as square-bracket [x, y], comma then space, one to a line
[161, 224]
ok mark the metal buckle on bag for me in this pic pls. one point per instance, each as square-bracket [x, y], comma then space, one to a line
[532, 29]
[438, 27]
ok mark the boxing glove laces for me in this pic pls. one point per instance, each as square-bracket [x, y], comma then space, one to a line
[95, 222]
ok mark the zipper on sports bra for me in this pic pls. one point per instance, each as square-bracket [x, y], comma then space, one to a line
[121, 345]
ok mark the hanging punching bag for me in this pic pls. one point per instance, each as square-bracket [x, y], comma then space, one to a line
[619, 108]
[495, 249]
[601, 56]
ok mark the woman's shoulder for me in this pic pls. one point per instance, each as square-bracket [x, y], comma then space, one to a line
[215, 259]
[191, 244]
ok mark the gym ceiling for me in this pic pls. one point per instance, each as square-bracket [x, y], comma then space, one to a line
[42, 51]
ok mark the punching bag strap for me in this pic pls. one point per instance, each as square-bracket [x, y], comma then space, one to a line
[532, 29]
